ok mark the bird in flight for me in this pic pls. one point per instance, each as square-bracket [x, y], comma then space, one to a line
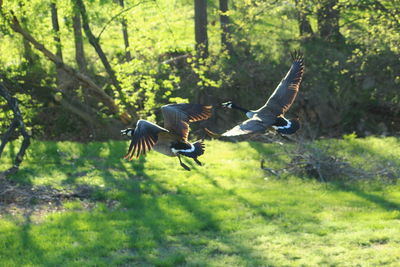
[271, 114]
[172, 139]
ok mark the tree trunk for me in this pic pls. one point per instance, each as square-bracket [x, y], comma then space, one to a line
[200, 25]
[16, 123]
[225, 26]
[29, 55]
[305, 28]
[82, 67]
[328, 15]
[56, 29]
[79, 48]
[125, 34]
[64, 81]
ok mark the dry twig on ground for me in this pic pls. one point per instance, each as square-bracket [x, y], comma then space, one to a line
[322, 163]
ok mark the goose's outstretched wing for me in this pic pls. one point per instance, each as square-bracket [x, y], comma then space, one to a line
[286, 92]
[143, 138]
[178, 116]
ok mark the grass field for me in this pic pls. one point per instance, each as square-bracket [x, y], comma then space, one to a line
[229, 212]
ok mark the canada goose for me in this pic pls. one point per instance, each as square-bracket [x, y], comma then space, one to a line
[172, 140]
[272, 113]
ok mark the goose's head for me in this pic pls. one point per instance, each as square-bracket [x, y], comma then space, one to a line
[228, 104]
[128, 131]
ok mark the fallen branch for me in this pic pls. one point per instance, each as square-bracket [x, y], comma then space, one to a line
[272, 171]
[325, 165]
[177, 58]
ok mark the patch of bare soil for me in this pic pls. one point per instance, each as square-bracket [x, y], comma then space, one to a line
[19, 199]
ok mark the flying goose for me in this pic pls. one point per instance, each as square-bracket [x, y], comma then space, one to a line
[273, 111]
[172, 140]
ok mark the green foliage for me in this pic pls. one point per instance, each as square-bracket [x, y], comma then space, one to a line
[30, 96]
[6, 116]
[348, 86]
[150, 212]
[350, 137]
[145, 85]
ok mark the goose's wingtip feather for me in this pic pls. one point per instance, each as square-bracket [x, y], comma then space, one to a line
[212, 134]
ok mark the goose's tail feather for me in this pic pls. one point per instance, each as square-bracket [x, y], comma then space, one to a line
[287, 127]
[196, 152]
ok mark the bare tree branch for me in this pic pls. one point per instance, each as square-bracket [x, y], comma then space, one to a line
[119, 14]
[16, 123]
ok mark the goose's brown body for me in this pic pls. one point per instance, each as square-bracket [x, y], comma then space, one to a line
[163, 145]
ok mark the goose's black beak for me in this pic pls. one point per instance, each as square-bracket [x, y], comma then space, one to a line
[124, 132]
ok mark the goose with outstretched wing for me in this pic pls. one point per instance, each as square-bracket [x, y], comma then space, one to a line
[271, 114]
[172, 139]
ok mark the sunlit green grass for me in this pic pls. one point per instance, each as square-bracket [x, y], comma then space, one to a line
[228, 212]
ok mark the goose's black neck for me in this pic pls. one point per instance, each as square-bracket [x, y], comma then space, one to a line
[240, 108]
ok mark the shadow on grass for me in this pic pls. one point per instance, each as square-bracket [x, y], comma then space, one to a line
[383, 154]
[26, 240]
[144, 229]
[141, 230]
[275, 217]
[371, 197]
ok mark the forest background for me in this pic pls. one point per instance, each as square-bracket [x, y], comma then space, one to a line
[83, 70]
